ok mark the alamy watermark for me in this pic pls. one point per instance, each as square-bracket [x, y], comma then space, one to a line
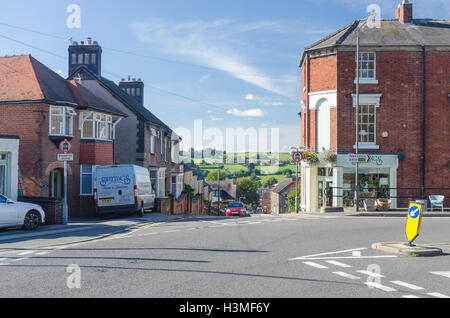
[74, 279]
[74, 18]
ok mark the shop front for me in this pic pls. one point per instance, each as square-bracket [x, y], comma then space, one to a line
[328, 186]
[9, 169]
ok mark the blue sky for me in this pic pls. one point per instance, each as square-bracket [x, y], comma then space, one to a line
[235, 61]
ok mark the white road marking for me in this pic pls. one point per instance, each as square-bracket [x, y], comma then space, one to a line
[339, 264]
[26, 253]
[356, 254]
[315, 265]
[339, 257]
[3, 259]
[254, 223]
[372, 274]
[43, 253]
[407, 285]
[20, 259]
[172, 231]
[379, 286]
[346, 275]
[410, 296]
[445, 274]
[438, 295]
[330, 253]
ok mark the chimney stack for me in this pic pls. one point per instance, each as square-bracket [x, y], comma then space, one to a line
[134, 88]
[88, 54]
[404, 12]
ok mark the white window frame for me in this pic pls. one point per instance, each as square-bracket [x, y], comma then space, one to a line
[367, 79]
[64, 113]
[97, 118]
[153, 135]
[92, 180]
[369, 99]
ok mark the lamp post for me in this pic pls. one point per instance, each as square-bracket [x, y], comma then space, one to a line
[297, 199]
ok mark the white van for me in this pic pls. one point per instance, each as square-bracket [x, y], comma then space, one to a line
[123, 188]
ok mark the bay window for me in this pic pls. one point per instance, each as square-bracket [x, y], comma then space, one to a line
[97, 126]
[61, 121]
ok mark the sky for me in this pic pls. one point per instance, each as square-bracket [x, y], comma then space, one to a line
[214, 64]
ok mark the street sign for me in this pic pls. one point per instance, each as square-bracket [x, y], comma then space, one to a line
[297, 156]
[65, 146]
[353, 158]
[414, 222]
[65, 157]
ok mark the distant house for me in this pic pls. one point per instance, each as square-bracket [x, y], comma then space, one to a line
[227, 190]
[266, 200]
[141, 138]
[279, 196]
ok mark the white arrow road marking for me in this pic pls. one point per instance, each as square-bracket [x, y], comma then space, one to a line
[339, 264]
[445, 274]
[379, 286]
[346, 275]
[438, 295]
[315, 265]
[356, 254]
[407, 285]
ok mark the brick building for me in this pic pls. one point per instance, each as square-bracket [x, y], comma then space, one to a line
[42, 109]
[141, 138]
[404, 111]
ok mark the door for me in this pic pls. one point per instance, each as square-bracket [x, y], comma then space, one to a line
[8, 212]
[57, 184]
[325, 187]
[2, 179]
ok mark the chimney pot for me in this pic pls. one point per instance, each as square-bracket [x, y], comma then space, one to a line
[404, 12]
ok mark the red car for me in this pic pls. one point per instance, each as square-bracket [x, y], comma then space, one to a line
[236, 209]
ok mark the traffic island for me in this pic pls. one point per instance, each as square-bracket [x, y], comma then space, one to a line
[406, 249]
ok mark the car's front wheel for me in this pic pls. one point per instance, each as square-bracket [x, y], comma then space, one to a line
[32, 221]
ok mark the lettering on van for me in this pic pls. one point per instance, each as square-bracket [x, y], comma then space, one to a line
[105, 181]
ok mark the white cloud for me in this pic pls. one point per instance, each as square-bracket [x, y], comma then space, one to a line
[216, 44]
[246, 113]
[214, 118]
[250, 97]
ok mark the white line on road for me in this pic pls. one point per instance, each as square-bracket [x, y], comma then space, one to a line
[445, 274]
[438, 295]
[372, 274]
[379, 286]
[331, 253]
[315, 265]
[339, 264]
[410, 296]
[407, 285]
[346, 275]
[26, 253]
[3, 259]
[339, 257]
[20, 259]
[43, 253]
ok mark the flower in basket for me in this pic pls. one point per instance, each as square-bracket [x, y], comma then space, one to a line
[328, 156]
[311, 157]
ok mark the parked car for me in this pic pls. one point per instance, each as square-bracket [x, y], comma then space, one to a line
[123, 189]
[12, 214]
[236, 209]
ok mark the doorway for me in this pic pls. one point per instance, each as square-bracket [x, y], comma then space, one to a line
[57, 184]
[325, 187]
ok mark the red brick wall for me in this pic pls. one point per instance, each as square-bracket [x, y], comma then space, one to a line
[37, 153]
[100, 153]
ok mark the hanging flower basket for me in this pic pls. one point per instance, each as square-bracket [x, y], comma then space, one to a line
[311, 157]
[328, 156]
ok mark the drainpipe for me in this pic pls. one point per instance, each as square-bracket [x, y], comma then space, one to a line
[424, 108]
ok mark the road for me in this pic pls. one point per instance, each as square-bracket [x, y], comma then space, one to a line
[256, 257]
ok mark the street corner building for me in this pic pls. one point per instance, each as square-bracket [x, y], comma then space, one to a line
[404, 114]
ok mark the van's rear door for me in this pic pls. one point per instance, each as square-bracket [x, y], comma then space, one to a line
[115, 186]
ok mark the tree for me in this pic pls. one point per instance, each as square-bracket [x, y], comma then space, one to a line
[247, 190]
[291, 198]
[212, 176]
[288, 173]
[270, 182]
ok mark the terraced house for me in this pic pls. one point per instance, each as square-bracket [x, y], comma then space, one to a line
[404, 114]
[40, 109]
[141, 138]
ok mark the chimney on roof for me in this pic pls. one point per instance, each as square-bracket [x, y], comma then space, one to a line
[134, 88]
[89, 55]
[404, 12]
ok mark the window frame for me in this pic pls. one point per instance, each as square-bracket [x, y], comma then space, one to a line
[65, 113]
[364, 100]
[107, 122]
[82, 173]
[367, 79]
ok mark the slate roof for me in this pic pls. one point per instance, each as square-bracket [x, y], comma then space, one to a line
[283, 184]
[126, 99]
[427, 32]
